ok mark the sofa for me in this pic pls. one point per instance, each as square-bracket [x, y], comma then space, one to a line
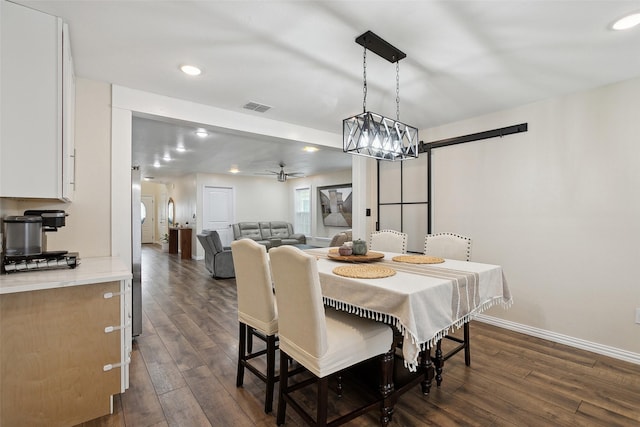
[217, 259]
[270, 234]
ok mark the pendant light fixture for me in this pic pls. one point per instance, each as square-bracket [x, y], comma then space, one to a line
[371, 134]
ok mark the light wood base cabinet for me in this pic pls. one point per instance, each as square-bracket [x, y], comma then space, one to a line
[54, 349]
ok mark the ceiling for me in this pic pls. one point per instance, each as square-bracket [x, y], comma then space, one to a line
[464, 59]
[222, 149]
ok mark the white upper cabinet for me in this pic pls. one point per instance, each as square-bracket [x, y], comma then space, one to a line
[68, 118]
[37, 95]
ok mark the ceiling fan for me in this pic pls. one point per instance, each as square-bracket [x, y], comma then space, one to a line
[282, 175]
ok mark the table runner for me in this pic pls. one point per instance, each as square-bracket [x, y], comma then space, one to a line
[423, 301]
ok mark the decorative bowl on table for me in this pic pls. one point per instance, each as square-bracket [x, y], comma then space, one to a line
[345, 250]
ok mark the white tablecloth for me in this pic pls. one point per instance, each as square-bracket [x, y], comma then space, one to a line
[424, 301]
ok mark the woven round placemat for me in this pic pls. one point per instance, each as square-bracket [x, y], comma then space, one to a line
[418, 259]
[364, 271]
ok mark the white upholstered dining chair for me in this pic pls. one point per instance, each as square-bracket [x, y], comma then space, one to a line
[257, 312]
[388, 241]
[448, 245]
[324, 342]
[451, 246]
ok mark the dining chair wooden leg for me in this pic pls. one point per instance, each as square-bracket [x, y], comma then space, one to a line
[242, 341]
[250, 332]
[467, 347]
[323, 401]
[282, 388]
[271, 372]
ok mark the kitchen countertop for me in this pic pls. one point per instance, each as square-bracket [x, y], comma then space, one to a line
[90, 270]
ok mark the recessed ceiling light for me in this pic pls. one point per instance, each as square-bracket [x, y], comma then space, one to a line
[191, 70]
[181, 148]
[627, 22]
[202, 133]
[166, 157]
[234, 170]
[310, 149]
[156, 164]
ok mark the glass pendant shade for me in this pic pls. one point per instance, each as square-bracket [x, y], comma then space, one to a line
[370, 134]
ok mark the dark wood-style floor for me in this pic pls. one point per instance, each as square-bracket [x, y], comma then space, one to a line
[183, 370]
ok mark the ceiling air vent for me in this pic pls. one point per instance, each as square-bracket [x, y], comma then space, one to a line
[254, 106]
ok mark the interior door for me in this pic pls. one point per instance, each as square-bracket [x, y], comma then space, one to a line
[147, 216]
[218, 212]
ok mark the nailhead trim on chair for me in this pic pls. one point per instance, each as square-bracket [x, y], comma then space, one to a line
[468, 239]
[403, 235]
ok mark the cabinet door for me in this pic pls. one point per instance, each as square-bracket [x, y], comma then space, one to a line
[68, 117]
[31, 116]
[53, 353]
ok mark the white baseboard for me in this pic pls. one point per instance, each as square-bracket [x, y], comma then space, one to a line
[605, 350]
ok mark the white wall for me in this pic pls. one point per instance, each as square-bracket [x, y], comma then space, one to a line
[557, 207]
[265, 199]
[256, 199]
[183, 192]
[320, 235]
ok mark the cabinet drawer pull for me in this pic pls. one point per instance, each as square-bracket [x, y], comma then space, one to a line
[111, 329]
[116, 328]
[108, 295]
[110, 366]
[73, 182]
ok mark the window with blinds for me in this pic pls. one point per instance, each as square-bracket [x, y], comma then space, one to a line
[302, 202]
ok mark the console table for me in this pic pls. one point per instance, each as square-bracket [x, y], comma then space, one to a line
[182, 235]
[185, 243]
[173, 240]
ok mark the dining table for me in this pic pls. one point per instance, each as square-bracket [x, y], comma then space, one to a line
[423, 301]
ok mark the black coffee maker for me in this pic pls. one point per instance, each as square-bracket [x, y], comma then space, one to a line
[25, 242]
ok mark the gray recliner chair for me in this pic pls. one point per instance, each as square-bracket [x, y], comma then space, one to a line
[218, 259]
